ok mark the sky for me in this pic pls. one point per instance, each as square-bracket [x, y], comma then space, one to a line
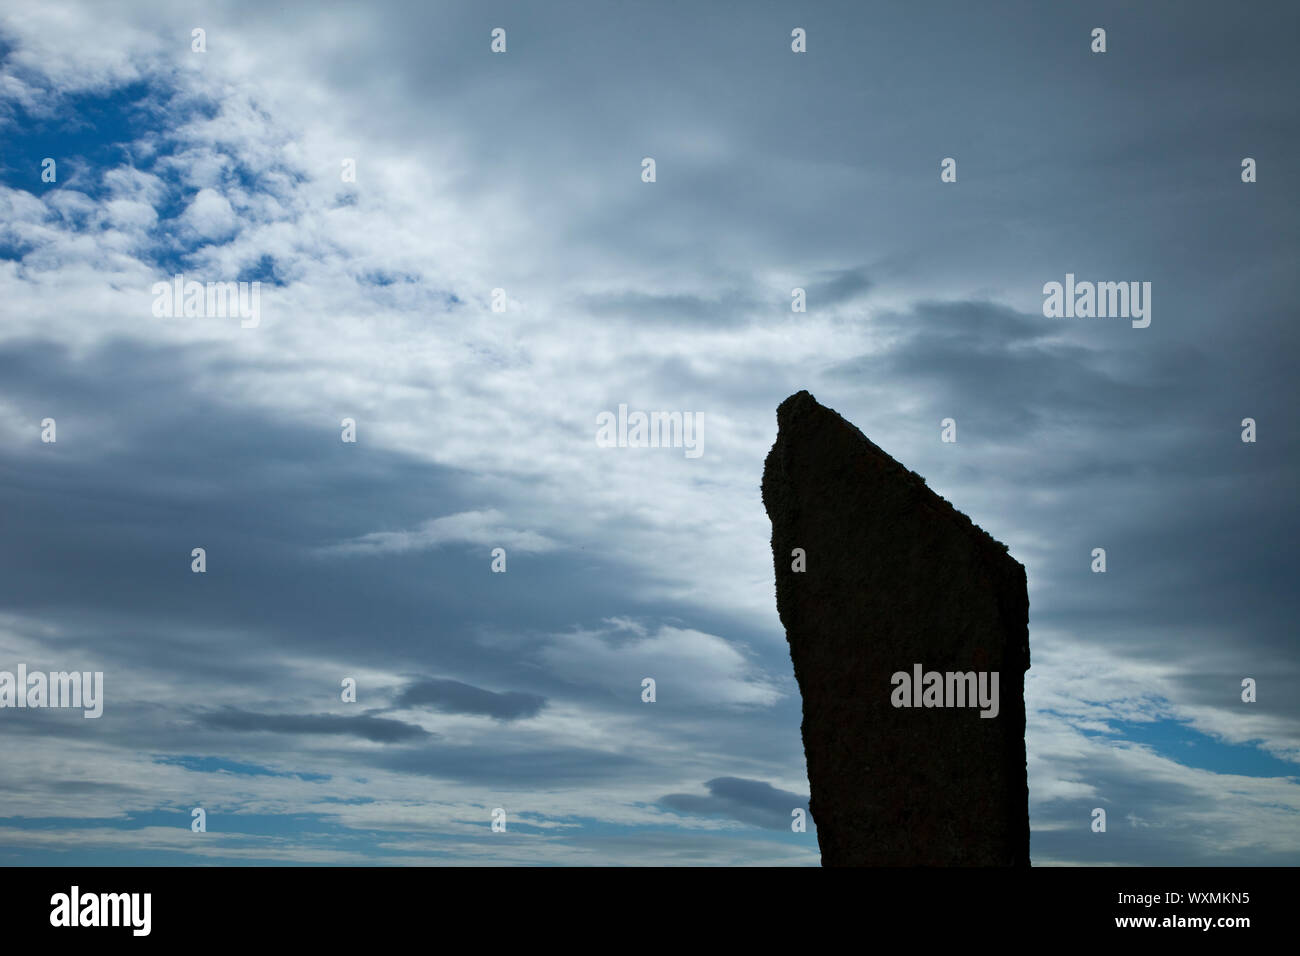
[522, 171]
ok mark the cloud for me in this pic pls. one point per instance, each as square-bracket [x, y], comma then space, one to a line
[733, 307]
[506, 767]
[210, 215]
[754, 802]
[454, 697]
[482, 528]
[382, 730]
[688, 666]
[837, 286]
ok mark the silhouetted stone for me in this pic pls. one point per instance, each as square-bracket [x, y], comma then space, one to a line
[895, 577]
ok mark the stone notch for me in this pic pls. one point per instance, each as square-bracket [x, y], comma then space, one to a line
[895, 577]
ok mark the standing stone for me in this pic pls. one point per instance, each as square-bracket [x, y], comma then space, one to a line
[896, 577]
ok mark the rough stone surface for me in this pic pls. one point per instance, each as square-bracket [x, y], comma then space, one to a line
[895, 577]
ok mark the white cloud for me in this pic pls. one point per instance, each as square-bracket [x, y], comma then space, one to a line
[468, 527]
[688, 666]
[210, 215]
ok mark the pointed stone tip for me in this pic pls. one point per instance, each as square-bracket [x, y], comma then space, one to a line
[800, 401]
[801, 410]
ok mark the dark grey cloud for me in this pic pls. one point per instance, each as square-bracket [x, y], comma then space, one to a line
[510, 766]
[750, 801]
[452, 696]
[382, 730]
[735, 305]
[1010, 373]
[644, 308]
[837, 286]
